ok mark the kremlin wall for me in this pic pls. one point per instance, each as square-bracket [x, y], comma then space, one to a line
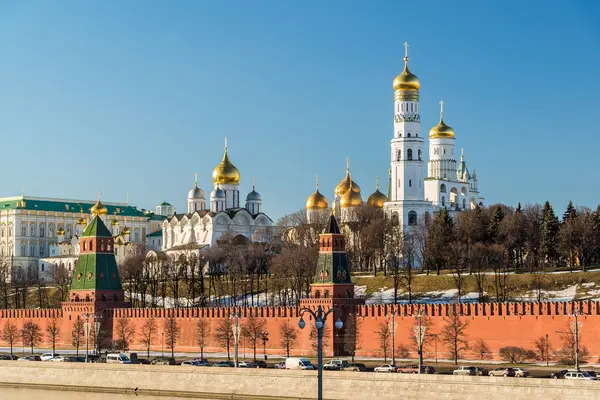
[97, 289]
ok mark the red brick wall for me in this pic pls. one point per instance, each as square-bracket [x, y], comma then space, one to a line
[498, 324]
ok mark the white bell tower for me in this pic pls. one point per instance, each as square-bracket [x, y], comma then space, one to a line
[407, 192]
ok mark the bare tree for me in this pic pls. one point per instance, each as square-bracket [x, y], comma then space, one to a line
[125, 333]
[53, 331]
[481, 348]
[9, 334]
[252, 330]
[288, 335]
[351, 334]
[172, 332]
[202, 334]
[31, 334]
[147, 334]
[314, 338]
[384, 333]
[453, 334]
[77, 334]
[543, 347]
[224, 335]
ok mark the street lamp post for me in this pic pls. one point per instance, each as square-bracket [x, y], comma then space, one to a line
[576, 329]
[87, 327]
[265, 339]
[320, 318]
[236, 337]
[393, 322]
[420, 335]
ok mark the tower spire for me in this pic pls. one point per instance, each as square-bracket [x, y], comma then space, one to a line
[225, 143]
[405, 52]
[253, 183]
[347, 164]
[195, 179]
[376, 183]
[317, 186]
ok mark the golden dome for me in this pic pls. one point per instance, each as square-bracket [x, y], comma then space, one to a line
[60, 231]
[114, 222]
[346, 184]
[351, 198]
[317, 201]
[226, 172]
[126, 231]
[98, 208]
[376, 199]
[441, 130]
[81, 221]
[406, 80]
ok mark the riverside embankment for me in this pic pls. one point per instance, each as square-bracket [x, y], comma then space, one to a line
[226, 383]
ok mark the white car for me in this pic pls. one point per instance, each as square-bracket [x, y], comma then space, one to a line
[57, 359]
[521, 373]
[385, 368]
[580, 375]
[48, 356]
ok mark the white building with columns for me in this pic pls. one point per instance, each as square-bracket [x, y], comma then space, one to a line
[204, 224]
[415, 193]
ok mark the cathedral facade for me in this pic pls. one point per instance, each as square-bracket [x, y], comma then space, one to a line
[205, 222]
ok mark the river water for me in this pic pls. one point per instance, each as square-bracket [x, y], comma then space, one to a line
[36, 394]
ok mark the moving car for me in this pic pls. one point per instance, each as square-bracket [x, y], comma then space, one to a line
[581, 375]
[465, 370]
[116, 358]
[385, 368]
[502, 371]
[335, 365]
[298, 363]
[355, 367]
[559, 375]
[48, 356]
[521, 373]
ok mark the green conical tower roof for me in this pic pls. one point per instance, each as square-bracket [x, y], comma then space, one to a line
[96, 267]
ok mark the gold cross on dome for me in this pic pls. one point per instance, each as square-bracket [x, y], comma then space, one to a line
[347, 163]
[225, 142]
[442, 108]
[196, 179]
[405, 49]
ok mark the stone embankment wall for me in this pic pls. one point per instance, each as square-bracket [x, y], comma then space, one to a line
[497, 324]
[221, 383]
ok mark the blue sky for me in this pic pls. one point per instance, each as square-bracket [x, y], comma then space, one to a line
[135, 97]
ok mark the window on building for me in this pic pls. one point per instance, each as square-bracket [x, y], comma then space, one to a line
[409, 154]
[42, 231]
[42, 267]
[412, 218]
[32, 230]
[41, 250]
[408, 134]
[410, 183]
[443, 201]
[442, 188]
[420, 153]
[9, 231]
[2, 232]
[398, 154]
[23, 250]
[24, 230]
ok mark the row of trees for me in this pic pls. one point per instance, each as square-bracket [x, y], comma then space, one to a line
[30, 334]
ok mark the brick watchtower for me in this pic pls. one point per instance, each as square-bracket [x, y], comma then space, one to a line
[332, 286]
[96, 277]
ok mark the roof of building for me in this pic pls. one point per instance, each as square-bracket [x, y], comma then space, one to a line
[96, 228]
[332, 226]
[165, 204]
[155, 234]
[96, 271]
[66, 205]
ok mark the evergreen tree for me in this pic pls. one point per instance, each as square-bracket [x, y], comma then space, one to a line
[441, 234]
[494, 225]
[570, 212]
[549, 233]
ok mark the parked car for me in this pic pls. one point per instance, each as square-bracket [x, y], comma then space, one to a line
[117, 358]
[465, 370]
[521, 373]
[408, 369]
[143, 361]
[481, 371]
[335, 365]
[30, 358]
[246, 364]
[559, 374]
[355, 367]
[48, 356]
[261, 364]
[580, 375]
[502, 371]
[280, 365]
[8, 357]
[385, 368]
[58, 359]
[163, 361]
[592, 373]
[226, 364]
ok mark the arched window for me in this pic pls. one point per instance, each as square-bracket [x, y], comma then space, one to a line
[427, 218]
[42, 267]
[464, 203]
[442, 188]
[326, 294]
[24, 230]
[84, 246]
[443, 201]
[32, 230]
[412, 218]
[42, 230]
[409, 154]
[463, 191]
[318, 294]
[408, 134]
[398, 154]
[420, 153]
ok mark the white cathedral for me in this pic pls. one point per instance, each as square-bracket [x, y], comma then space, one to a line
[412, 196]
[204, 224]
